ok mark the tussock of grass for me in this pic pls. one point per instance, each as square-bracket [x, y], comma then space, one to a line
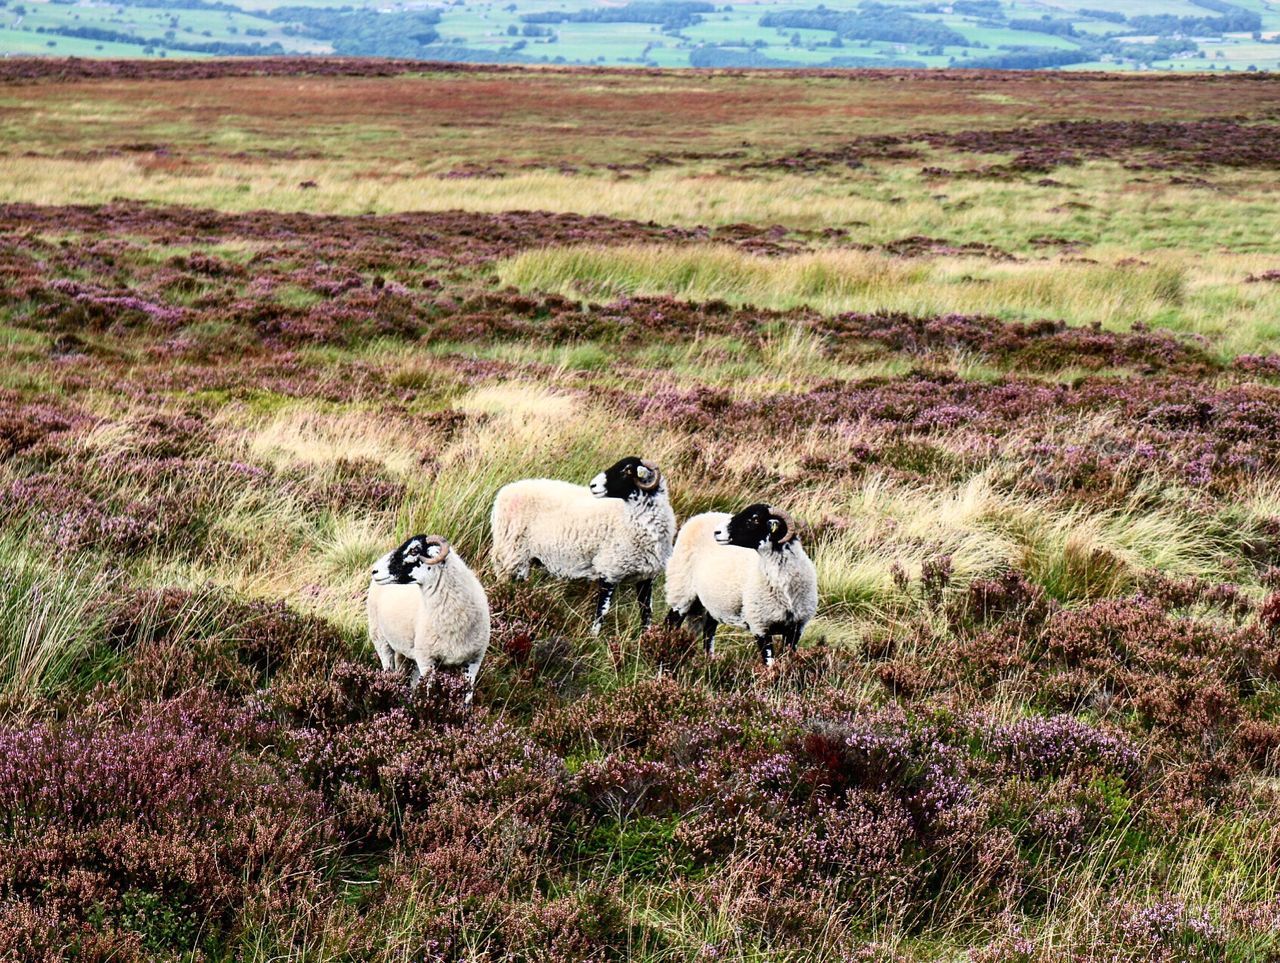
[308, 438]
[983, 529]
[1168, 292]
[48, 618]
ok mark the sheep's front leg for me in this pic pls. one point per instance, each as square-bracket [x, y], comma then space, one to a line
[644, 595]
[422, 669]
[472, 670]
[765, 644]
[791, 636]
[386, 654]
[603, 606]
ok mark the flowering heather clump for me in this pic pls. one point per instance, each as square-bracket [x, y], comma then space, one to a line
[1186, 592]
[1055, 746]
[935, 576]
[175, 635]
[388, 758]
[1166, 932]
[1269, 614]
[35, 430]
[353, 483]
[1185, 684]
[71, 305]
[71, 519]
[1008, 596]
[101, 817]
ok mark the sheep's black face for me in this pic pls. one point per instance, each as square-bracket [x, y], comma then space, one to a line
[756, 526]
[630, 478]
[411, 562]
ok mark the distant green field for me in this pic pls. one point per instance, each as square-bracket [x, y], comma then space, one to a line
[1005, 34]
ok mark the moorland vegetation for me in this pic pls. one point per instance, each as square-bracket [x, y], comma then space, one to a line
[1006, 343]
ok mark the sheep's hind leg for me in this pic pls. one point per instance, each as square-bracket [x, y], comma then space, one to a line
[676, 617]
[765, 644]
[602, 607]
[644, 595]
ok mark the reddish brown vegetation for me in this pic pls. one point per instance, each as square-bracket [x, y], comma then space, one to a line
[548, 117]
[1040, 149]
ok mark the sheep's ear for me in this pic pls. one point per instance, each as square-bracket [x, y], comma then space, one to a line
[784, 523]
[647, 476]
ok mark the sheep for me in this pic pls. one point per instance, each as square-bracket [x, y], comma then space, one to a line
[618, 527]
[747, 570]
[428, 609]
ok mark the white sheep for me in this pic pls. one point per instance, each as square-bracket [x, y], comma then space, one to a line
[747, 570]
[619, 527]
[427, 608]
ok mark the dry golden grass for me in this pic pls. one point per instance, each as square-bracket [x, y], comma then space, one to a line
[1192, 294]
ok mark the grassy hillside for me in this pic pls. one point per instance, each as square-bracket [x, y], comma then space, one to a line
[1005, 344]
[1213, 35]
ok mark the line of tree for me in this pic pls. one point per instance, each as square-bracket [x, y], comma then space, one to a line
[1112, 16]
[979, 8]
[214, 5]
[1162, 48]
[219, 48]
[711, 55]
[1232, 20]
[871, 21]
[1034, 58]
[671, 14]
[1055, 28]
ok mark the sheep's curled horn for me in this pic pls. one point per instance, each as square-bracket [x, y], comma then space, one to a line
[786, 520]
[655, 477]
[443, 545]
